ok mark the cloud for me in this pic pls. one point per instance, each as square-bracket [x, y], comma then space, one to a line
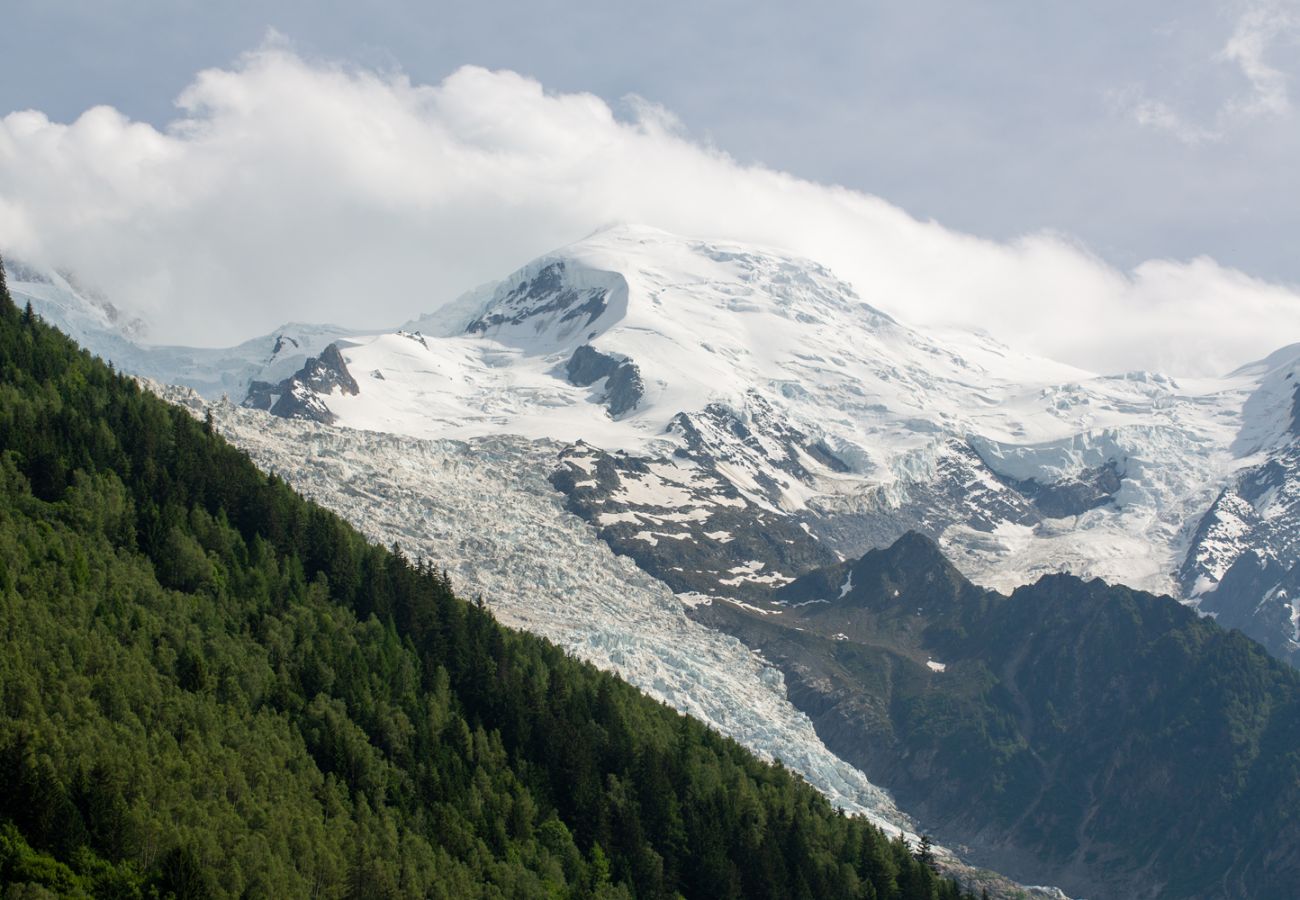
[1159, 115]
[289, 190]
[1258, 28]
[1260, 25]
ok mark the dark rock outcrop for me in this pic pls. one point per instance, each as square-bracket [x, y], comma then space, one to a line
[1243, 562]
[1294, 427]
[300, 396]
[1089, 489]
[262, 394]
[756, 439]
[709, 540]
[623, 385]
[1261, 598]
[544, 294]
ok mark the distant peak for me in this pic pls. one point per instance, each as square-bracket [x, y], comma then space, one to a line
[913, 557]
[1280, 358]
[912, 547]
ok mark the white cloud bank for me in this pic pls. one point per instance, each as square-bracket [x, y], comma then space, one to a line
[294, 190]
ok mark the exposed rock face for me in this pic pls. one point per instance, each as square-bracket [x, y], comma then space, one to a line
[1294, 428]
[588, 365]
[965, 490]
[961, 490]
[281, 342]
[685, 524]
[624, 390]
[546, 294]
[300, 396]
[297, 403]
[756, 440]
[1090, 489]
[623, 386]
[1260, 597]
[1242, 564]
[262, 394]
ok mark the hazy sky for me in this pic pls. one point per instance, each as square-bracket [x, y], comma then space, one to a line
[1102, 135]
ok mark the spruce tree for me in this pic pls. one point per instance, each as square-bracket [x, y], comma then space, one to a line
[925, 853]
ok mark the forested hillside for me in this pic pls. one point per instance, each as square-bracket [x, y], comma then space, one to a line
[210, 687]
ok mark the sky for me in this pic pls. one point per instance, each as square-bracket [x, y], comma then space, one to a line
[1112, 186]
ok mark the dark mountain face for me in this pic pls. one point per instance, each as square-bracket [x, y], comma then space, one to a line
[1250, 538]
[300, 396]
[1089, 489]
[1101, 739]
[545, 295]
[1242, 564]
[623, 385]
[701, 540]
[1258, 596]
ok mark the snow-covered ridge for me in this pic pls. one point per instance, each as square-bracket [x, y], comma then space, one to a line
[95, 324]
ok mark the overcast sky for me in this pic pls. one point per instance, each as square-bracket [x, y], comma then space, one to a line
[1087, 164]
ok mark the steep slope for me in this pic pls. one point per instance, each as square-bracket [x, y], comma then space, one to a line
[1099, 738]
[212, 687]
[1243, 562]
[484, 510]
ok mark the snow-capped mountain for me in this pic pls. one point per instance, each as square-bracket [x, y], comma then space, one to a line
[732, 385]
[484, 510]
[731, 417]
[541, 569]
[727, 419]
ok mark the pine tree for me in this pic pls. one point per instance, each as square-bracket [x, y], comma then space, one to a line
[925, 852]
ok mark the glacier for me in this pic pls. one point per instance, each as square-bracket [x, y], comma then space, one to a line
[483, 510]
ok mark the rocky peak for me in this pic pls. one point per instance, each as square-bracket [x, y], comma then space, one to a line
[911, 573]
[549, 298]
[623, 385]
[300, 396]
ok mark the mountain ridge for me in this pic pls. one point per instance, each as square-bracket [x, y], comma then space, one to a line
[1112, 741]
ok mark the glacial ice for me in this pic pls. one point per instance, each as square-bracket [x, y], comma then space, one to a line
[484, 510]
